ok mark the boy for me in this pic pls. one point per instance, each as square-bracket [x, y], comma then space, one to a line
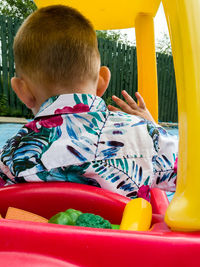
[74, 137]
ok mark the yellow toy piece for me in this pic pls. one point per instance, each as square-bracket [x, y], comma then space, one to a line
[110, 14]
[137, 215]
[183, 20]
[106, 15]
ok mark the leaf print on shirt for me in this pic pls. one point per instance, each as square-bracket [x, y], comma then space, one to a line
[26, 149]
[72, 129]
[163, 168]
[112, 146]
[76, 153]
[139, 123]
[161, 163]
[5, 179]
[94, 126]
[83, 98]
[81, 143]
[111, 151]
[94, 102]
[119, 124]
[74, 174]
[86, 134]
[124, 173]
[162, 131]
[154, 133]
[122, 123]
[75, 125]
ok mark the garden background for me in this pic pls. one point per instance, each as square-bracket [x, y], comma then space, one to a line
[119, 57]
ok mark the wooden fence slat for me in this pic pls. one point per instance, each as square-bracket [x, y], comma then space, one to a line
[110, 66]
[165, 87]
[114, 71]
[160, 92]
[118, 87]
[135, 71]
[161, 89]
[10, 61]
[131, 60]
[4, 57]
[174, 110]
[123, 67]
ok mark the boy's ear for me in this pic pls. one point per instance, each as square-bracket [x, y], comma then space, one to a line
[104, 79]
[23, 92]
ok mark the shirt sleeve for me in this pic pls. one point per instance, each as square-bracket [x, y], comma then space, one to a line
[6, 177]
[164, 161]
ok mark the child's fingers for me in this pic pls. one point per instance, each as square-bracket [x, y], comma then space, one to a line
[112, 108]
[122, 104]
[140, 100]
[131, 102]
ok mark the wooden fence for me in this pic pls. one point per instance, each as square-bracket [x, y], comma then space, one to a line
[8, 28]
[121, 60]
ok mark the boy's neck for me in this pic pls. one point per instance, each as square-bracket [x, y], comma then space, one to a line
[41, 94]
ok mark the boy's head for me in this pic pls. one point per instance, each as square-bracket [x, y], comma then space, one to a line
[56, 49]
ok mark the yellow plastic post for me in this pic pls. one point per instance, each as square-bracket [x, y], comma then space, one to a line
[146, 61]
[183, 21]
[137, 215]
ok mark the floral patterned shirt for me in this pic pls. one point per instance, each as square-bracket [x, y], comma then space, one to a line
[75, 138]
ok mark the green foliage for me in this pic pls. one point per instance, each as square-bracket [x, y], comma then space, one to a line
[4, 110]
[15, 113]
[28, 114]
[17, 8]
[115, 36]
[163, 45]
[19, 113]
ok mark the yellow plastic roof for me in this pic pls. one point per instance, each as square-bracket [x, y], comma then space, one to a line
[108, 14]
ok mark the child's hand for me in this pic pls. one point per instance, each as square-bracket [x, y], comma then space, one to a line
[130, 106]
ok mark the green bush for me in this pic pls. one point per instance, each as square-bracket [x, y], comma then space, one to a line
[15, 113]
[4, 109]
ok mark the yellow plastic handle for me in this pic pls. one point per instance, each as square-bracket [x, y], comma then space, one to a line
[137, 215]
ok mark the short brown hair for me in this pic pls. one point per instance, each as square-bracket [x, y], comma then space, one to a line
[57, 45]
